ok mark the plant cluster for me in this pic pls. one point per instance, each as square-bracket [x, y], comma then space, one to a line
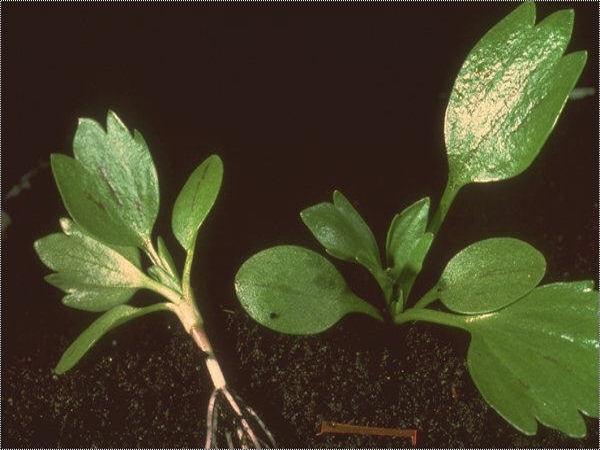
[110, 189]
[534, 348]
[533, 353]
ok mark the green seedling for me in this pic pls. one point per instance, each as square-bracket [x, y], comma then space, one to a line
[533, 353]
[110, 190]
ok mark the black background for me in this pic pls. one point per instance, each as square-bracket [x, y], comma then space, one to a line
[298, 100]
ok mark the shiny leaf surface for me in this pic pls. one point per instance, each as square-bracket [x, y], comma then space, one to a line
[294, 290]
[94, 276]
[537, 359]
[490, 274]
[343, 232]
[125, 183]
[508, 95]
[196, 199]
[106, 322]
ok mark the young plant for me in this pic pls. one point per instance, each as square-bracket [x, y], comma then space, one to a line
[110, 190]
[533, 353]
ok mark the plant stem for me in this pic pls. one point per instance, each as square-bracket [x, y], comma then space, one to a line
[445, 202]
[152, 253]
[163, 290]
[429, 315]
[429, 297]
[214, 369]
[187, 271]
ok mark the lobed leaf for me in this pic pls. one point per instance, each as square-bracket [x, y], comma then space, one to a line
[196, 199]
[294, 290]
[343, 232]
[490, 274]
[508, 95]
[94, 276]
[106, 322]
[405, 231]
[119, 178]
[537, 359]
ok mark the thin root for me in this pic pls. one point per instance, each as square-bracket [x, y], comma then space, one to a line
[241, 426]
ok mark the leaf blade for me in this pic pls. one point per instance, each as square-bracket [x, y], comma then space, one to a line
[404, 233]
[84, 199]
[122, 165]
[508, 95]
[343, 232]
[86, 268]
[106, 322]
[537, 359]
[490, 274]
[295, 290]
[196, 199]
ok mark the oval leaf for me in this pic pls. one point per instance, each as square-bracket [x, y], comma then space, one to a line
[538, 358]
[490, 274]
[106, 322]
[125, 179]
[412, 268]
[196, 199]
[508, 95]
[95, 276]
[404, 233]
[343, 232]
[294, 290]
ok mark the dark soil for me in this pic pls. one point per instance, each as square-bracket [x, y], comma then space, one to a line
[297, 100]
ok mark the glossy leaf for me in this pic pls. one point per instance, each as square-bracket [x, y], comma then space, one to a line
[94, 276]
[404, 233]
[106, 322]
[294, 290]
[490, 274]
[196, 199]
[343, 232]
[538, 358]
[125, 183]
[508, 95]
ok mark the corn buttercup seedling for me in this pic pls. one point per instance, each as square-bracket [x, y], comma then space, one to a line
[110, 190]
[533, 353]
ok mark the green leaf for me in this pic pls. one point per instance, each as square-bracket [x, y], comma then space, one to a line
[106, 322]
[538, 358]
[94, 276]
[343, 232]
[294, 290]
[164, 277]
[196, 199]
[114, 193]
[490, 274]
[508, 95]
[166, 258]
[132, 254]
[404, 233]
[84, 196]
[405, 279]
